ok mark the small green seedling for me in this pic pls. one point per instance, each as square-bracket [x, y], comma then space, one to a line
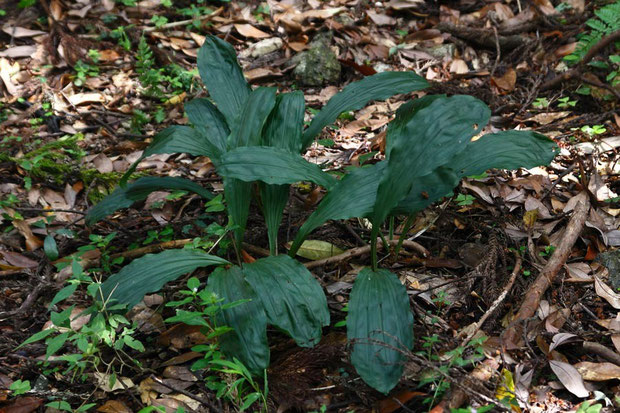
[540, 103]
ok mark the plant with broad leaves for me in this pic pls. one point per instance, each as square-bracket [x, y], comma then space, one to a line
[257, 136]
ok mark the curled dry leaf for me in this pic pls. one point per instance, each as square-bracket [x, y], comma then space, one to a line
[604, 291]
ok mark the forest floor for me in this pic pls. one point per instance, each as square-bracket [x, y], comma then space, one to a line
[516, 302]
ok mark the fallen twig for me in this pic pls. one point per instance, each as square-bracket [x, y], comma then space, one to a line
[473, 329]
[356, 252]
[548, 273]
[577, 71]
[600, 350]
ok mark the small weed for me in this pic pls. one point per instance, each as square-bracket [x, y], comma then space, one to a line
[19, 387]
[464, 199]
[593, 130]
[565, 103]
[540, 103]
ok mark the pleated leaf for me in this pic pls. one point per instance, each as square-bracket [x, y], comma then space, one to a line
[248, 129]
[272, 166]
[379, 318]
[353, 196]
[139, 190]
[149, 273]
[357, 94]
[209, 122]
[503, 150]
[293, 299]
[283, 130]
[221, 74]
[246, 132]
[248, 339]
[175, 139]
[423, 137]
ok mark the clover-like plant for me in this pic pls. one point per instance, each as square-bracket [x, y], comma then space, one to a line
[257, 136]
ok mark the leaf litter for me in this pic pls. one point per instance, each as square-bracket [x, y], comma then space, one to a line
[78, 108]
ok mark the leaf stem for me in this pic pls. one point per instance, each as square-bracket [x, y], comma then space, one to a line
[373, 246]
[406, 227]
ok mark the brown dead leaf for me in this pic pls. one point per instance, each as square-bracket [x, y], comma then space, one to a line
[32, 242]
[103, 164]
[114, 406]
[7, 70]
[506, 82]
[81, 98]
[19, 32]
[380, 19]
[22, 405]
[19, 51]
[459, 67]
[547, 117]
[17, 260]
[607, 293]
[569, 377]
[598, 371]
[247, 30]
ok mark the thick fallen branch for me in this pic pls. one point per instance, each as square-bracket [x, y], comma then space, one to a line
[548, 273]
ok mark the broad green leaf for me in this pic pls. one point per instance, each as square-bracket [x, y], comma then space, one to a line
[37, 336]
[293, 299]
[139, 190]
[221, 74]
[209, 122]
[149, 273]
[314, 249]
[353, 196]
[246, 132]
[284, 126]
[505, 150]
[379, 318]
[357, 94]
[422, 137]
[272, 166]
[50, 247]
[428, 189]
[248, 339]
[283, 130]
[175, 139]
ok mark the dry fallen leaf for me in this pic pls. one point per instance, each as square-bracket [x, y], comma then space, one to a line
[247, 30]
[570, 378]
[598, 371]
[506, 82]
[604, 291]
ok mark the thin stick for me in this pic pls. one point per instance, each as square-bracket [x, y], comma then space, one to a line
[476, 326]
[356, 252]
[549, 272]
[183, 22]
